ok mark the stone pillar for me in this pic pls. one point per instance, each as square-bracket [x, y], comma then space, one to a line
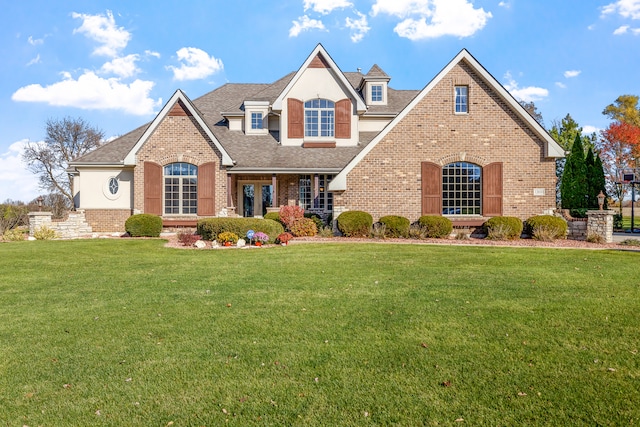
[37, 220]
[601, 223]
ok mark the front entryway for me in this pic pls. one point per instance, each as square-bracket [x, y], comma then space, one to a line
[254, 198]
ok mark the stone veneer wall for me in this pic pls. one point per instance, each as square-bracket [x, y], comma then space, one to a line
[576, 228]
[73, 226]
[387, 181]
[601, 223]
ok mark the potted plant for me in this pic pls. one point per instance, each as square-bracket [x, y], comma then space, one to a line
[260, 238]
[227, 238]
[283, 238]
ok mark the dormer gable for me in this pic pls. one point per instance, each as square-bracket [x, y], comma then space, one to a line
[374, 86]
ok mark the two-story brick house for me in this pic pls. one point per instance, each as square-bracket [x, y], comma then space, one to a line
[328, 141]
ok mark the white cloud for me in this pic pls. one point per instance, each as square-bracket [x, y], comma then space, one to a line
[621, 30]
[122, 67]
[625, 8]
[325, 6]
[588, 130]
[561, 85]
[35, 42]
[35, 60]
[197, 64]
[505, 4]
[17, 183]
[152, 53]
[571, 73]
[103, 29]
[359, 27]
[423, 19]
[91, 92]
[304, 23]
[526, 94]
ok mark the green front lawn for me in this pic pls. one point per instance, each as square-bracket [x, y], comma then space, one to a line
[129, 333]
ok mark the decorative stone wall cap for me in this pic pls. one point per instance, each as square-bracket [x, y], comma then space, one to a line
[40, 214]
[601, 212]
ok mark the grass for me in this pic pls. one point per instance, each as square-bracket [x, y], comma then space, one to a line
[626, 222]
[127, 333]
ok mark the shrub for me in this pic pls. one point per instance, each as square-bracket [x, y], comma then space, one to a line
[187, 238]
[45, 233]
[316, 218]
[630, 242]
[503, 228]
[546, 227]
[578, 212]
[416, 231]
[209, 228]
[378, 230]
[274, 216]
[143, 225]
[326, 231]
[284, 237]
[595, 238]
[355, 223]
[462, 235]
[617, 221]
[396, 226]
[13, 235]
[436, 226]
[303, 227]
[227, 236]
[289, 214]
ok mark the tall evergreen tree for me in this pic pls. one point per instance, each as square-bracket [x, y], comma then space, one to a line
[600, 180]
[574, 187]
[590, 163]
[564, 132]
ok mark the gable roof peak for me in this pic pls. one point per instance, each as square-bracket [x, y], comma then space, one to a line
[376, 72]
[319, 53]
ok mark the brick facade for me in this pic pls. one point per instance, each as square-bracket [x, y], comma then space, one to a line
[179, 138]
[387, 181]
[107, 220]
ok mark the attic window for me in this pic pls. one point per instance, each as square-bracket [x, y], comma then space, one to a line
[319, 118]
[462, 99]
[376, 93]
[256, 120]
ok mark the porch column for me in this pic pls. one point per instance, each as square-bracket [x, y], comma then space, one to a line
[229, 197]
[316, 191]
[274, 199]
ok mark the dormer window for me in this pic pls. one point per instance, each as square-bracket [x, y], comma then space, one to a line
[255, 117]
[256, 121]
[319, 118]
[376, 93]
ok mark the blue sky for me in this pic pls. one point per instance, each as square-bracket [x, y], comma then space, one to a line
[114, 63]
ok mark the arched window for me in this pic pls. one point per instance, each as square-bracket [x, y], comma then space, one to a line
[180, 189]
[461, 189]
[319, 118]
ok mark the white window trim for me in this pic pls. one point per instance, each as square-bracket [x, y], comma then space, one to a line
[455, 98]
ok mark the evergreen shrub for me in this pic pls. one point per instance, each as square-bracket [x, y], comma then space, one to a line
[396, 226]
[143, 225]
[504, 228]
[435, 226]
[355, 223]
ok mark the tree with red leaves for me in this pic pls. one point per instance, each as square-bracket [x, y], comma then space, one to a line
[619, 147]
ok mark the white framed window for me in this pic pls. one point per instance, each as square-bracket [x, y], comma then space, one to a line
[256, 120]
[306, 190]
[376, 93]
[462, 99]
[180, 189]
[319, 118]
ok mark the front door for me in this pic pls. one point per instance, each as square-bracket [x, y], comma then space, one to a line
[254, 198]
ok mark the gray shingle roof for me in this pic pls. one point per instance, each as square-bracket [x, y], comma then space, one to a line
[257, 152]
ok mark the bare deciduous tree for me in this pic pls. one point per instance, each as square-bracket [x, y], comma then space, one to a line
[65, 140]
